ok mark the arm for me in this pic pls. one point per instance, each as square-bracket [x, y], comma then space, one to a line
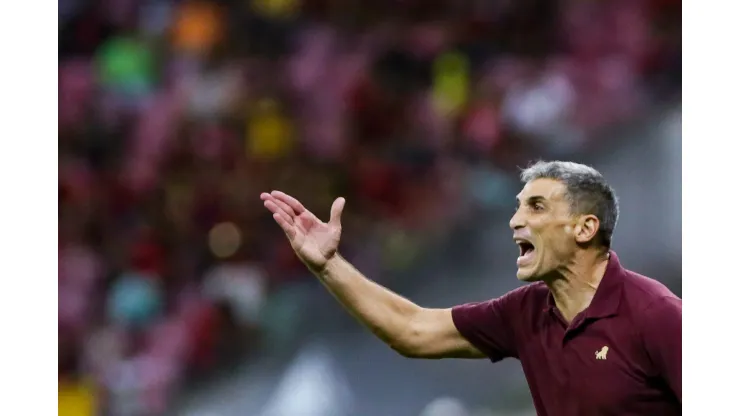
[408, 328]
[662, 337]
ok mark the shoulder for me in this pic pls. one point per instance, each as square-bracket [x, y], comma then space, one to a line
[517, 301]
[532, 296]
[653, 308]
[656, 317]
[495, 326]
[643, 294]
[523, 304]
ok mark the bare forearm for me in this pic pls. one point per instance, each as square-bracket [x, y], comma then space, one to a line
[387, 314]
[408, 328]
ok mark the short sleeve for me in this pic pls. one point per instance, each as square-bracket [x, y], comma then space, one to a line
[661, 334]
[488, 325]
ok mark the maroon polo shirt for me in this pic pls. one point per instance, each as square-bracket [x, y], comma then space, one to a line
[620, 356]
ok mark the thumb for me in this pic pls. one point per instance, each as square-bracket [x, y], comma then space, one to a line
[336, 212]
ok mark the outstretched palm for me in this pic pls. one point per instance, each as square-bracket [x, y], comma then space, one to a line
[314, 241]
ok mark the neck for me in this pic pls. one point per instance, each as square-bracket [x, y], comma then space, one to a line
[575, 284]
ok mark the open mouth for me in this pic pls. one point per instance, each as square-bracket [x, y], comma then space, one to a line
[526, 252]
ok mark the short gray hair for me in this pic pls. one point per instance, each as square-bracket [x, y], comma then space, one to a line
[587, 191]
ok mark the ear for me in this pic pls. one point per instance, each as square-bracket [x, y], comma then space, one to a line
[586, 229]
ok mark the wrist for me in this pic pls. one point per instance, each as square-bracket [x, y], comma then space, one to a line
[331, 265]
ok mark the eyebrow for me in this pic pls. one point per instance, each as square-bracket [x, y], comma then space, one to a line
[532, 199]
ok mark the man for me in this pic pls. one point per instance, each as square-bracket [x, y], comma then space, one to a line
[593, 338]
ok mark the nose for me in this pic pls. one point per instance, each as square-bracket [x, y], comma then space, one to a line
[516, 222]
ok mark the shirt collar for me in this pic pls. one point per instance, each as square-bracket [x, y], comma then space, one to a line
[608, 294]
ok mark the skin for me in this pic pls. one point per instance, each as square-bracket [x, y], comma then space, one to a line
[409, 329]
[315, 242]
[567, 257]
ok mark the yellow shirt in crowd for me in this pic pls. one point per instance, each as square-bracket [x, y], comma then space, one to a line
[76, 399]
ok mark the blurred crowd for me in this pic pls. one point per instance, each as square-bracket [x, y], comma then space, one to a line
[175, 114]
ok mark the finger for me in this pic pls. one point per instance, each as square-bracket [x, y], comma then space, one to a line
[337, 207]
[298, 208]
[276, 210]
[285, 207]
[280, 204]
[285, 225]
[264, 196]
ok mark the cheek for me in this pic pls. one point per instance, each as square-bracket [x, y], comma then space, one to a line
[556, 244]
[567, 237]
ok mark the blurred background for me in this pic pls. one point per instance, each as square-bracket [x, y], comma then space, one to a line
[178, 295]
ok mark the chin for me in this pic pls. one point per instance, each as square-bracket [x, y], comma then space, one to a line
[527, 274]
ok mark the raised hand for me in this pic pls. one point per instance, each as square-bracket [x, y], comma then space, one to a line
[314, 241]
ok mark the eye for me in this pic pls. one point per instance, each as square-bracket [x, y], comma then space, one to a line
[538, 207]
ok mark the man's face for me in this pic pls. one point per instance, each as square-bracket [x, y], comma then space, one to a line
[543, 229]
